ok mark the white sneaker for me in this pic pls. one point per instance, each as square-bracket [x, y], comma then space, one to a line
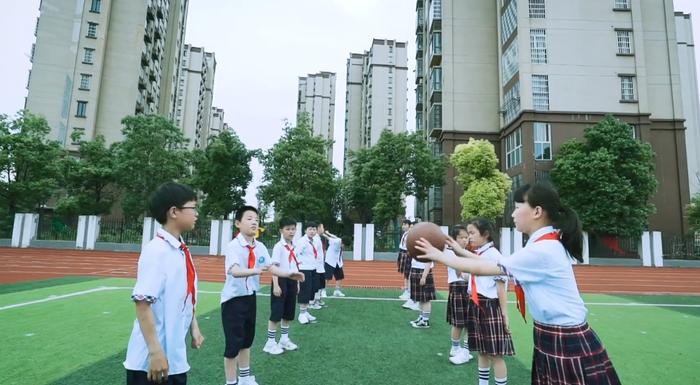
[272, 348]
[338, 293]
[310, 317]
[405, 295]
[462, 358]
[323, 294]
[303, 318]
[250, 380]
[322, 304]
[455, 351]
[287, 344]
[409, 304]
[315, 306]
[421, 324]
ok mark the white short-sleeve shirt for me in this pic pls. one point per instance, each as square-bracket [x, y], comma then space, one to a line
[415, 264]
[543, 268]
[161, 279]
[236, 253]
[281, 255]
[452, 275]
[320, 261]
[305, 253]
[402, 243]
[486, 284]
[334, 255]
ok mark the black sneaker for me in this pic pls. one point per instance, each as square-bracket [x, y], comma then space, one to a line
[421, 324]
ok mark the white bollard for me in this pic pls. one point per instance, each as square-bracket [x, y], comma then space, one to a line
[299, 232]
[29, 229]
[17, 228]
[357, 242]
[94, 222]
[215, 237]
[657, 250]
[369, 242]
[506, 241]
[150, 227]
[81, 234]
[517, 240]
[586, 250]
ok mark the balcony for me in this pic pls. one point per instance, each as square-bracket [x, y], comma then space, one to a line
[419, 45]
[435, 15]
[436, 85]
[419, 98]
[150, 13]
[435, 49]
[420, 20]
[435, 120]
[419, 71]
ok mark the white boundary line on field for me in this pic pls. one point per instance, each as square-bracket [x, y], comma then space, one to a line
[110, 288]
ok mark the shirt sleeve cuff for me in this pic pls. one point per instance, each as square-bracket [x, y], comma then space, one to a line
[142, 297]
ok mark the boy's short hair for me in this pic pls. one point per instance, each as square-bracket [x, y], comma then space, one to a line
[310, 224]
[167, 195]
[242, 210]
[284, 222]
[406, 222]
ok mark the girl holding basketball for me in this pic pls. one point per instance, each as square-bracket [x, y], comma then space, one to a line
[566, 349]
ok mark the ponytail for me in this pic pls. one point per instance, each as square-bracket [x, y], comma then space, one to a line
[571, 233]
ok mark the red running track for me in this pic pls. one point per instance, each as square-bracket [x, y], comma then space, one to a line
[33, 264]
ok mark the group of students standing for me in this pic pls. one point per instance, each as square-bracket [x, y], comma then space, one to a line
[165, 293]
[476, 305]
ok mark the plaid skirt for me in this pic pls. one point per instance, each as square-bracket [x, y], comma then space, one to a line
[403, 263]
[486, 331]
[425, 293]
[570, 355]
[457, 302]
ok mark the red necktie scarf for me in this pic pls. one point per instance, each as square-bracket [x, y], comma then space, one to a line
[311, 241]
[191, 274]
[475, 293]
[251, 256]
[292, 256]
[519, 292]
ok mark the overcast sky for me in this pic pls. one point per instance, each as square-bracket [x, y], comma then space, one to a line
[261, 48]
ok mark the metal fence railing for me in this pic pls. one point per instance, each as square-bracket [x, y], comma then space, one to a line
[681, 246]
[610, 246]
[119, 230]
[200, 235]
[387, 241]
[53, 227]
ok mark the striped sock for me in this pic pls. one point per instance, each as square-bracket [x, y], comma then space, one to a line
[484, 376]
[465, 344]
[425, 315]
[285, 332]
[271, 334]
[244, 372]
[502, 381]
[455, 343]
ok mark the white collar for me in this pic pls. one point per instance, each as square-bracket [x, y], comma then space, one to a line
[169, 238]
[540, 232]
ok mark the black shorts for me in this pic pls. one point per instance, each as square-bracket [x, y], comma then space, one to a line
[334, 272]
[321, 280]
[238, 317]
[282, 307]
[318, 282]
[306, 288]
[137, 377]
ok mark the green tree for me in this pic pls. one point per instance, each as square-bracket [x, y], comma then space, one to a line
[89, 179]
[298, 179]
[222, 173]
[608, 179]
[381, 176]
[30, 169]
[693, 212]
[153, 152]
[485, 187]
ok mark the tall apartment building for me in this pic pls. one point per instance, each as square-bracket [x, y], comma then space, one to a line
[96, 64]
[195, 95]
[554, 72]
[217, 124]
[375, 98]
[316, 97]
[689, 91]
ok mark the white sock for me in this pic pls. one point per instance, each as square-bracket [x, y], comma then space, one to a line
[484, 376]
[501, 381]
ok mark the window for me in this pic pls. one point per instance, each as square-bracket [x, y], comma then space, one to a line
[81, 110]
[389, 112]
[88, 56]
[391, 49]
[509, 62]
[511, 103]
[541, 175]
[95, 6]
[391, 70]
[538, 46]
[436, 116]
[436, 43]
[543, 141]
[540, 92]
[92, 30]
[514, 148]
[537, 9]
[622, 4]
[388, 122]
[436, 79]
[633, 130]
[624, 42]
[77, 134]
[85, 81]
[509, 21]
[627, 88]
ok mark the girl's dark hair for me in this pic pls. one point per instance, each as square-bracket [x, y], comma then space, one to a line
[284, 222]
[456, 229]
[563, 218]
[484, 226]
[310, 224]
[169, 195]
[406, 222]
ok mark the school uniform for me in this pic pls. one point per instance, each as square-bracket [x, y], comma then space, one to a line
[238, 300]
[307, 254]
[283, 307]
[421, 293]
[334, 260]
[320, 281]
[404, 260]
[166, 278]
[566, 350]
[486, 332]
[457, 297]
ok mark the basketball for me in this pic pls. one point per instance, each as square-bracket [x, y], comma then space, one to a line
[428, 230]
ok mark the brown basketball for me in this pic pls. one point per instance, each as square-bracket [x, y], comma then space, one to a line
[431, 232]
